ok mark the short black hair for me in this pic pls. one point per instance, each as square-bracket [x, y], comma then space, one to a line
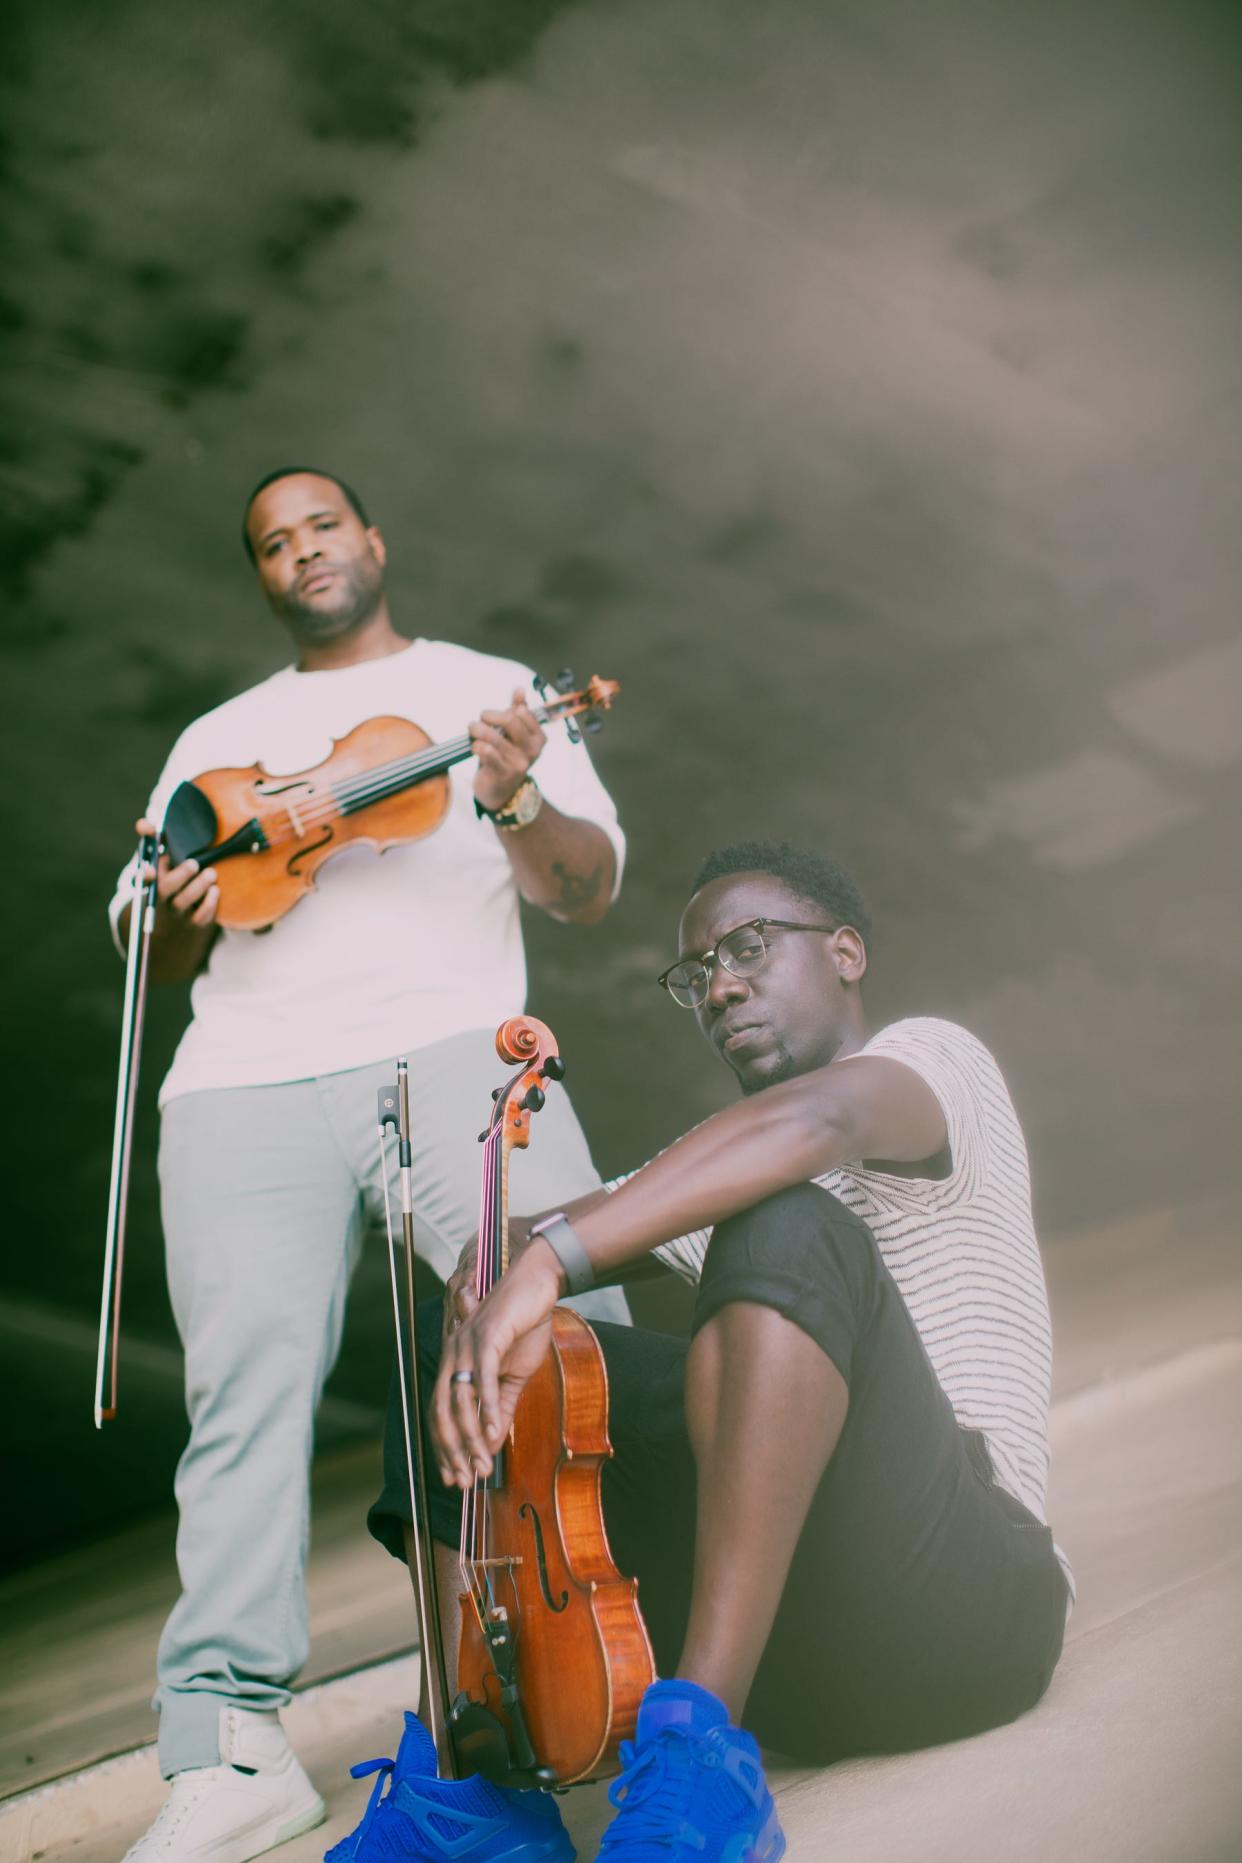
[292, 472]
[813, 877]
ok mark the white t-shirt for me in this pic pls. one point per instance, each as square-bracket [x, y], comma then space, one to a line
[390, 952]
[962, 1251]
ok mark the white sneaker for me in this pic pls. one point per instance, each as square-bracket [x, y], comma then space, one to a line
[257, 1797]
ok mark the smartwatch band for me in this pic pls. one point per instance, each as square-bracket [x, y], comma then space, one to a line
[558, 1233]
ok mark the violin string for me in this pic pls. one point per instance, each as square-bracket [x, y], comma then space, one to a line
[492, 1180]
[469, 1513]
[390, 779]
[469, 1523]
[352, 794]
[475, 1509]
[386, 779]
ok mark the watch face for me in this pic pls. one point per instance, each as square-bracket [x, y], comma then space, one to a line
[527, 803]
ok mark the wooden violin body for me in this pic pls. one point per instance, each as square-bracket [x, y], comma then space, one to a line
[554, 1654]
[582, 1655]
[271, 833]
[267, 834]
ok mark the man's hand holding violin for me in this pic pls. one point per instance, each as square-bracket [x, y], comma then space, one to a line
[187, 899]
[491, 1348]
[506, 744]
[461, 1299]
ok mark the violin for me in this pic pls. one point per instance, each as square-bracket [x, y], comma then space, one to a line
[267, 834]
[554, 1654]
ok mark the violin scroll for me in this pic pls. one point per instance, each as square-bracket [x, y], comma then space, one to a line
[525, 1042]
[523, 1039]
[580, 710]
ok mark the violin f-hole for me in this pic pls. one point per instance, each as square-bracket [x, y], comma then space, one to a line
[273, 786]
[304, 853]
[540, 1560]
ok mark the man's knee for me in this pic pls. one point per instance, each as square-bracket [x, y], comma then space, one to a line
[802, 1225]
[801, 1251]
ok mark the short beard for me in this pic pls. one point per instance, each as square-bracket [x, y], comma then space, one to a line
[784, 1069]
[357, 598]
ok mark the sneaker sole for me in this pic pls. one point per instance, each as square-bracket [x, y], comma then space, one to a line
[772, 1850]
[279, 1831]
[767, 1847]
[539, 1850]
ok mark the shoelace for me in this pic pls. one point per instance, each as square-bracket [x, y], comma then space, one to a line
[383, 1769]
[652, 1791]
[188, 1790]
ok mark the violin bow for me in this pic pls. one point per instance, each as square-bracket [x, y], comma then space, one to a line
[141, 925]
[394, 1110]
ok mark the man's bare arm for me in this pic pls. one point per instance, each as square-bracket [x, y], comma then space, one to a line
[859, 1107]
[565, 865]
[863, 1107]
[460, 1299]
[562, 863]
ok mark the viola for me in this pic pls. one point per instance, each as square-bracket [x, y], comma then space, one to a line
[554, 1654]
[267, 834]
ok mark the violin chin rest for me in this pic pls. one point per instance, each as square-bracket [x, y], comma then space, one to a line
[189, 823]
[482, 1745]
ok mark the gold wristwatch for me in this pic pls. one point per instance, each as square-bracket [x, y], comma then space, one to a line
[519, 811]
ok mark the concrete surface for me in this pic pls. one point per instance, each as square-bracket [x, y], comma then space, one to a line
[1131, 1756]
[79, 1633]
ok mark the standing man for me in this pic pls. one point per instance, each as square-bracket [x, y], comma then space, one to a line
[268, 1146]
[832, 1496]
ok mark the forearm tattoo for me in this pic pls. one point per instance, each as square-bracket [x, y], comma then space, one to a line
[577, 890]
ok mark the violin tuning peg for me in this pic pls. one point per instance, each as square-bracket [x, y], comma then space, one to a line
[535, 1098]
[541, 682]
[565, 679]
[496, 1092]
[483, 1137]
[553, 1068]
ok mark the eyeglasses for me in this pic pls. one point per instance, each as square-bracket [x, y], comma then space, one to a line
[742, 952]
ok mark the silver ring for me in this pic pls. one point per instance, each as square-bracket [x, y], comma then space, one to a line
[462, 1377]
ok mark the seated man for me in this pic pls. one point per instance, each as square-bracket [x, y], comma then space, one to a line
[832, 1495]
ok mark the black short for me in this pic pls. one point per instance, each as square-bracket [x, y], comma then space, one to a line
[924, 1603]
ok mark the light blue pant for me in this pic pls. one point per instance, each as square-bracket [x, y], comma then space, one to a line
[265, 1192]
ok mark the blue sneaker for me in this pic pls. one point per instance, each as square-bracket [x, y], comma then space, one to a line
[423, 1819]
[693, 1789]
